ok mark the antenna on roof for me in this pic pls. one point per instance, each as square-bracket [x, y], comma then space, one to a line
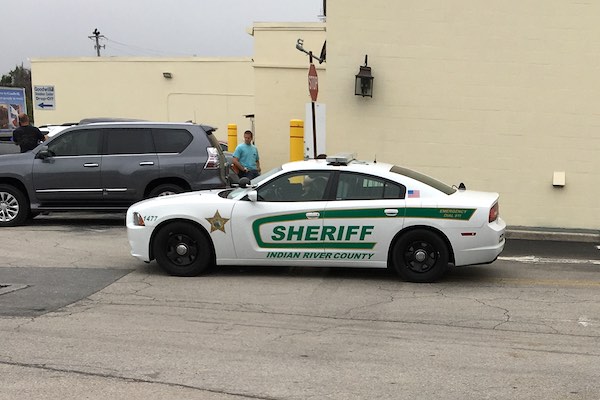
[375, 160]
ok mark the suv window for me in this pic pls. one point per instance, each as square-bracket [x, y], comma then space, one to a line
[77, 143]
[171, 140]
[129, 141]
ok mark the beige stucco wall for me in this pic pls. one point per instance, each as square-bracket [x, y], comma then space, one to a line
[210, 91]
[272, 85]
[498, 95]
[281, 83]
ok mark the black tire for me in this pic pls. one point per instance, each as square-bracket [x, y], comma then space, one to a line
[165, 190]
[14, 207]
[182, 249]
[420, 256]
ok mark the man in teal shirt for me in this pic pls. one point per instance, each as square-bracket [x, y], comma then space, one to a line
[245, 158]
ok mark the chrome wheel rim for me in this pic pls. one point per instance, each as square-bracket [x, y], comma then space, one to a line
[9, 207]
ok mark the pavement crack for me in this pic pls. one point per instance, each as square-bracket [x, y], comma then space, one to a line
[504, 310]
[46, 367]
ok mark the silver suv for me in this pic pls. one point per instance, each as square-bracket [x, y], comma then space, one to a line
[108, 167]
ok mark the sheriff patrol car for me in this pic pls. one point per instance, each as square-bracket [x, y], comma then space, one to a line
[335, 212]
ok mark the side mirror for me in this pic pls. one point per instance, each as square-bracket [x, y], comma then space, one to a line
[252, 195]
[244, 182]
[44, 153]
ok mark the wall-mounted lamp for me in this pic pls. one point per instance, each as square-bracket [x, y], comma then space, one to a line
[364, 81]
[167, 75]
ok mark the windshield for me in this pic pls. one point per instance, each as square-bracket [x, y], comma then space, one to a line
[254, 183]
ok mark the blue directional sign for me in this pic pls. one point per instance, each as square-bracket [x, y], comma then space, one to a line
[43, 97]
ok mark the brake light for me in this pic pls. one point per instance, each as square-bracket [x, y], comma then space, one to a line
[494, 212]
[213, 161]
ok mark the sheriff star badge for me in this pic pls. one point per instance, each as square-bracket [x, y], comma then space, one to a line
[217, 223]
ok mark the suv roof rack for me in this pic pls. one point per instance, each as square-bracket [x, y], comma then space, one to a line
[108, 119]
[341, 159]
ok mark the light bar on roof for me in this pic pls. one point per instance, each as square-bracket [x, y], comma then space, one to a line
[341, 158]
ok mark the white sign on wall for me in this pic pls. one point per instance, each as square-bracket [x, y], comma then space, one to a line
[43, 97]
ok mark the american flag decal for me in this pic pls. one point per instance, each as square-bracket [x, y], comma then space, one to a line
[414, 194]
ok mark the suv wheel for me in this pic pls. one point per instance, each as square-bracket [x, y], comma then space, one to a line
[14, 207]
[165, 190]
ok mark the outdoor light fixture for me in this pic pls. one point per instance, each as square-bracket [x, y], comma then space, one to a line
[167, 75]
[364, 81]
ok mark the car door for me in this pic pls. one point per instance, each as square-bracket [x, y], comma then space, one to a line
[71, 174]
[286, 221]
[129, 163]
[367, 213]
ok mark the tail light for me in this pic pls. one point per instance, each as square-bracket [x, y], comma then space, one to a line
[213, 161]
[494, 212]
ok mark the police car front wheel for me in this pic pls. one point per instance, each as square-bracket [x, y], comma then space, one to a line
[182, 249]
[420, 256]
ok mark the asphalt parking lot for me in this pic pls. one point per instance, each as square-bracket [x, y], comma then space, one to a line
[524, 327]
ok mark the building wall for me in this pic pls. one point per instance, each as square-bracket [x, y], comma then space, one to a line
[281, 83]
[273, 85]
[210, 91]
[497, 95]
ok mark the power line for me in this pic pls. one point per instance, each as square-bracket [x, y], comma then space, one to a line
[143, 49]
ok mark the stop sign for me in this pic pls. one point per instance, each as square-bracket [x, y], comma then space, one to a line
[313, 82]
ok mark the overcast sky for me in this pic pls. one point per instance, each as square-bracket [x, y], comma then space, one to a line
[206, 28]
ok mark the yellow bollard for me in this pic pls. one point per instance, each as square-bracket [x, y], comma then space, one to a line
[231, 137]
[296, 140]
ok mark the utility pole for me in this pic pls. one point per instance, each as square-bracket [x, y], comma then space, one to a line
[97, 36]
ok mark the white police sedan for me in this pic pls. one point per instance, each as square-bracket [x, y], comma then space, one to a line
[335, 212]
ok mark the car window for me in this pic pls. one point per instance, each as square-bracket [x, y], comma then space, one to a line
[77, 143]
[171, 140]
[129, 141]
[299, 186]
[352, 186]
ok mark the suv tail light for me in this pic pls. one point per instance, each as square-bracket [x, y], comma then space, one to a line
[494, 212]
[213, 161]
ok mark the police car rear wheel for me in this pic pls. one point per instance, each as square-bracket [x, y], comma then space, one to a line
[182, 249]
[420, 256]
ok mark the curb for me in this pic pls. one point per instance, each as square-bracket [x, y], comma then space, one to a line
[553, 234]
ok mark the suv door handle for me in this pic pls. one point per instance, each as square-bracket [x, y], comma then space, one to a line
[91, 165]
[146, 163]
[313, 215]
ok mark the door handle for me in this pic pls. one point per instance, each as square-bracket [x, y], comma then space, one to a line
[391, 212]
[91, 165]
[146, 163]
[313, 215]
